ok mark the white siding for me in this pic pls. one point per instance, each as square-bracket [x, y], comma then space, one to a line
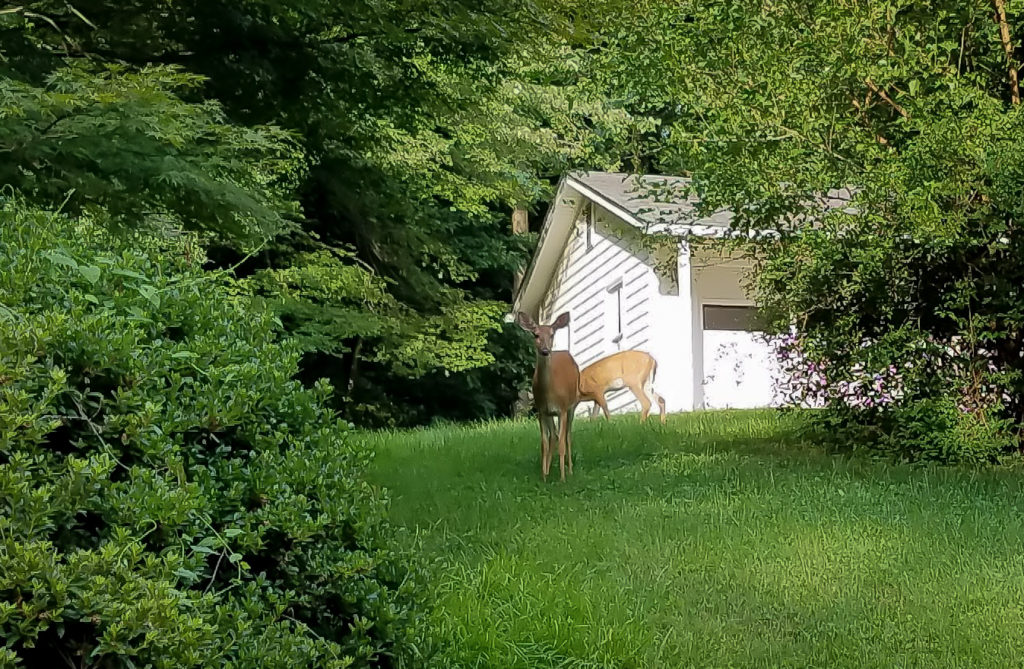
[585, 273]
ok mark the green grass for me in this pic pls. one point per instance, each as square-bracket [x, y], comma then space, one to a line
[715, 542]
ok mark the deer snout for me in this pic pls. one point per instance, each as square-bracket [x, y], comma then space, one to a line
[545, 351]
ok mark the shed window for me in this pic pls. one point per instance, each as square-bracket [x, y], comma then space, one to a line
[589, 216]
[722, 317]
[613, 313]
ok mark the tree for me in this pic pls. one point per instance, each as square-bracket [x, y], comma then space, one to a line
[915, 105]
[422, 122]
[126, 143]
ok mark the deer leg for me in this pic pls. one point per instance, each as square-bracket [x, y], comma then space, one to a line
[563, 424]
[552, 436]
[543, 445]
[661, 405]
[600, 401]
[568, 439]
[655, 397]
[645, 403]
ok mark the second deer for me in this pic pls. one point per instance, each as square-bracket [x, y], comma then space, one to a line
[556, 380]
[627, 369]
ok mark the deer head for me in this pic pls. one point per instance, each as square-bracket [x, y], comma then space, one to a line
[543, 335]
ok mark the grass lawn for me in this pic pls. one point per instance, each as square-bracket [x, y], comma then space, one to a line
[715, 541]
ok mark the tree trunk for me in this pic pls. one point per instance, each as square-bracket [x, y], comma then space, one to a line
[1004, 36]
[520, 226]
[354, 369]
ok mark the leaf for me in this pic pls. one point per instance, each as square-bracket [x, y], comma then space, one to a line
[127, 272]
[90, 272]
[232, 532]
[59, 258]
[186, 574]
[81, 16]
[151, 294]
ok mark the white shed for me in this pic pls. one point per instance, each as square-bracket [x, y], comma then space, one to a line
[624, 264]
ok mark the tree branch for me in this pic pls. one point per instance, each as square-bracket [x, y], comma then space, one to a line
[351, 37]
[1004, 36]
[885, 96]
[860, 109]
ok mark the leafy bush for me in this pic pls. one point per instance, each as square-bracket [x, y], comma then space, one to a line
[170, 496]
[938, 429]
[933, 429]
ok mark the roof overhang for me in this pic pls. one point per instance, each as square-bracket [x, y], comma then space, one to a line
[658, 227]
[554, 234]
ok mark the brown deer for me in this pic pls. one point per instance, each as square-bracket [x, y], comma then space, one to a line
[627, 369]
[556, 381]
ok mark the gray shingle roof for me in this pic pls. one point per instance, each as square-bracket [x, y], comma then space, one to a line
[661, 204]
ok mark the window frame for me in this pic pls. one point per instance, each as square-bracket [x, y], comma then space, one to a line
[614, 312]
[750, 323]
[589, 225]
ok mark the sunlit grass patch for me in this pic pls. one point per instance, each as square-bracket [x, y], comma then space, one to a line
[718, 540]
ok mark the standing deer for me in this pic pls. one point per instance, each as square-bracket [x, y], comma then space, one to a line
[627, 369]
[556, 381]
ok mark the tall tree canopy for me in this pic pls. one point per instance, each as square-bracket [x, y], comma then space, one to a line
[419, 124]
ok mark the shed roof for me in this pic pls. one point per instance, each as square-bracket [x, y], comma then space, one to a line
[654, 204]
[663, 204]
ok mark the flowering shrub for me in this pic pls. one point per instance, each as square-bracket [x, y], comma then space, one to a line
[805, 380]
[952, 415]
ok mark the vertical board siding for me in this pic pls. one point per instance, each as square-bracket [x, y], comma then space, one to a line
[580, 286]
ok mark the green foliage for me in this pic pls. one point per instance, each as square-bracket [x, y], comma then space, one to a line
[125, 142]
[326, 298]
[423, 123]
[170, 495]
[940, 430]
[911, 104]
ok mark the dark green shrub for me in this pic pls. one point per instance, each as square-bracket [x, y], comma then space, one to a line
[938, 430]
[934, 430]
[169, 495]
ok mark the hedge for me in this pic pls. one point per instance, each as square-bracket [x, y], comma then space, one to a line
[169, 495]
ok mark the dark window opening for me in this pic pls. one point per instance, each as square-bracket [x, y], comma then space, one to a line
[721, 317]
[590, 226]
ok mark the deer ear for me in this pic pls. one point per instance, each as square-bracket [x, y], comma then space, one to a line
[561, 321]
[525, 322]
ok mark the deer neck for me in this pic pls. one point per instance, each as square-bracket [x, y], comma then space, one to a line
[544, 378]
[543, 363]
